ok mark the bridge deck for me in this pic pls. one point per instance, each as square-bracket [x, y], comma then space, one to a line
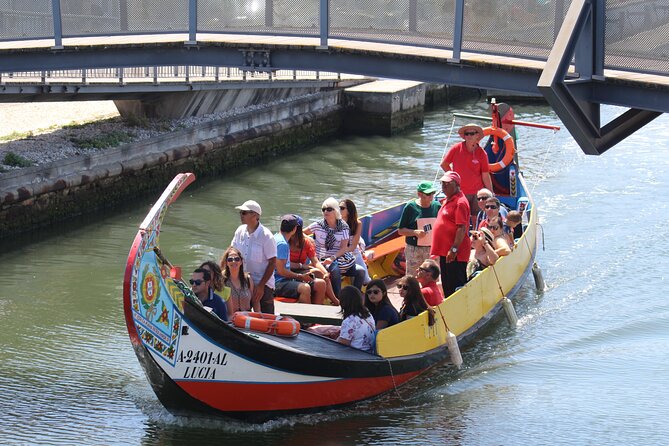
[334, 45]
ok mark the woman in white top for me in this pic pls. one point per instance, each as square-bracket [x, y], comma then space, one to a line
[357, 326]
[333, 247]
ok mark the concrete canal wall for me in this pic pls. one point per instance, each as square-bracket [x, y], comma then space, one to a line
[42, 195]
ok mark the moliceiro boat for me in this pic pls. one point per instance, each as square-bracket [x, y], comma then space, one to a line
[196, 362]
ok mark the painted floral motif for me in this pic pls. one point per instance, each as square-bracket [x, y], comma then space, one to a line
[164, 316]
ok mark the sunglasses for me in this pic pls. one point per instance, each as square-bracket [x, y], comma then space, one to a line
[420, 268]
[245, 212]
[402, 287]
[494, 228]
[373, 292]
[328, 209]
[482, 198]
[471, 133]
[491, 206]
[234, 259]
[196, 282]
[342, 208]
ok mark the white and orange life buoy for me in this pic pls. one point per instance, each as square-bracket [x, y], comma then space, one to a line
[266, 323]
[509, 146]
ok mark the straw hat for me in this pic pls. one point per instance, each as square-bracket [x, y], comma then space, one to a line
[470, 128]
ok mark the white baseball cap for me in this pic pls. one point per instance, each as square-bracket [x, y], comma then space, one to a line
[250, 205]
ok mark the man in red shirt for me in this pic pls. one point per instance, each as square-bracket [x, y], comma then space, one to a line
[469, 160]
[449, 236]
[427, 274]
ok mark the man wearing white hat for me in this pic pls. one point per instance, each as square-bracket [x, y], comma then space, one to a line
[258, 248]
[470, 161]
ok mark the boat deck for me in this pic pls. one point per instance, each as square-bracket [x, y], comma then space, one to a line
[313, 344]
[329, 314]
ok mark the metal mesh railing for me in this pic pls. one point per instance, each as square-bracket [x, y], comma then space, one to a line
[635, 30]
[637, 35]
[165, 74]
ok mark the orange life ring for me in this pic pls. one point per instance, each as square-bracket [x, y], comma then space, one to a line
[509, 146]
[266, 323]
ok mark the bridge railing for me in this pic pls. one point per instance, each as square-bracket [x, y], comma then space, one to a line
[635, 29]
[165, 74]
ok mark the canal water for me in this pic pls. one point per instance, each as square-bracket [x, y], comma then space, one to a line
[588, 363]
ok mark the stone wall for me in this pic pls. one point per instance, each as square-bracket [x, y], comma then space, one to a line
[42, 195]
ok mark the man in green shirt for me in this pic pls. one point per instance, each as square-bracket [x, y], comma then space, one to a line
[423, 211]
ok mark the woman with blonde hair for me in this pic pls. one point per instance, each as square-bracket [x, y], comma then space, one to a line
[333, 249]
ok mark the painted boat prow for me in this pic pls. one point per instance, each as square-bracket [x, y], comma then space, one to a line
[146, 239]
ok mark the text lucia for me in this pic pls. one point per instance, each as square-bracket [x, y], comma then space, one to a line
[202, 364]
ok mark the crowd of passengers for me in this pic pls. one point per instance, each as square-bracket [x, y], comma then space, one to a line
[450, 239]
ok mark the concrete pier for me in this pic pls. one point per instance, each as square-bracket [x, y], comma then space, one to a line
[384, 107]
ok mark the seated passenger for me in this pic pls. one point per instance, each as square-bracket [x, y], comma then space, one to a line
[378, 303]
[495, 225]
[303, 260]
[513, 227]
[289, 283]
[481, 196]
[427, 274]
[332, 236]
[238, 282]
[413, 302]
[216, 275]
[200, 282]
[357, 326]
[349, 213]
[483, 252]
[492, 209]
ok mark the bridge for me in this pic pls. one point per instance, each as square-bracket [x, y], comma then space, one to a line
[578, 54]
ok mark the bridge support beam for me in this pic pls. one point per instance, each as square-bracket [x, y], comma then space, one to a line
[178, 105]
[571, 95]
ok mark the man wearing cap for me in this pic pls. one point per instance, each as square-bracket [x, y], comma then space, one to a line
[258, 248]
[450, 240]
[417, 246]
[470, 161]
[290, 283]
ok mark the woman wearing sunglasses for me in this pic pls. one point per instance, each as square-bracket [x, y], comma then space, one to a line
[413, 302]
[239, 282]
[333, 249]
[378, 303]
[496, 227]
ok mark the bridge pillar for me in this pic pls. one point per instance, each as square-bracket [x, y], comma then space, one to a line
[179, 105]
[384, 107]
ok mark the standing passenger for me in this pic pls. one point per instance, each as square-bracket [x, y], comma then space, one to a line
[258, 248]
[470, 161]
[450, 241]
[424, 207]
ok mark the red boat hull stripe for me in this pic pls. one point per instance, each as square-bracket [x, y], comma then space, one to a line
[239, 397]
